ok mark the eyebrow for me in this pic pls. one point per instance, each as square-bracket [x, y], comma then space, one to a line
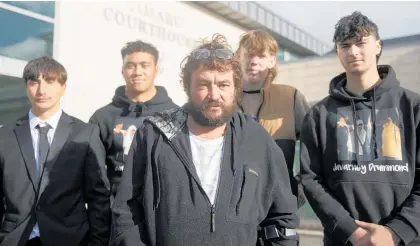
[204, 81]
[223, 81]
[141, 63]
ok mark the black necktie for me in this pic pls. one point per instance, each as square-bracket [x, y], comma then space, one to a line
[43, 146]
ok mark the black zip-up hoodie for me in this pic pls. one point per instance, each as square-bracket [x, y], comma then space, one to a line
[118, 122]
[161, 202]
[359, 156]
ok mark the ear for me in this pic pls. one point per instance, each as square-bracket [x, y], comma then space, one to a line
[378, 45]
[272, 61]
[64, 87]
[157, 69]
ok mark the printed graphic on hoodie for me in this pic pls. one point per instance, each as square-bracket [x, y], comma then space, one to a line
[123, 134]
[377, 139]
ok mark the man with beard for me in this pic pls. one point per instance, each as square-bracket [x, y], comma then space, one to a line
[205, 174]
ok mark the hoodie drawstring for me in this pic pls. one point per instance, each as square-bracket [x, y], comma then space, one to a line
[355, 135]
[373, 112]
[135, 109]
[233, 154]
[155, 174]
[373, 135]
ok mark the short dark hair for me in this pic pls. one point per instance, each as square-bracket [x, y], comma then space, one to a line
[46, 66]
[189, 64]
[140, 46]
[354, 25]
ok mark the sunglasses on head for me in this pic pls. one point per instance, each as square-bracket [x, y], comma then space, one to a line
[204, 54]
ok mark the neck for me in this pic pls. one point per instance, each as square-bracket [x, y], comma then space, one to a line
[252, 86]
[361, 83]
[141, 97]
[45, 114]
[206, 132]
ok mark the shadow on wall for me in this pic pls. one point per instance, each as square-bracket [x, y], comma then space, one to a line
[407, 67]
[312, 76]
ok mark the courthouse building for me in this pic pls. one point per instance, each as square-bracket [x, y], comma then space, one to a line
[86, 37]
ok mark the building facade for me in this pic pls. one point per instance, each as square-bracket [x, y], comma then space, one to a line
[87, 37]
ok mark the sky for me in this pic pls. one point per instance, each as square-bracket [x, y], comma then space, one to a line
[318, 18]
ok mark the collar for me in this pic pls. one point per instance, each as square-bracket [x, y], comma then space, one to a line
[52, 121]
[252, 91]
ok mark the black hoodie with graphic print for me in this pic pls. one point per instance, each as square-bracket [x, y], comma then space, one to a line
[118, 122]
[359, 156]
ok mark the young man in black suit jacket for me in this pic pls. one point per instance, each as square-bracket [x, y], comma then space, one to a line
[51, 166]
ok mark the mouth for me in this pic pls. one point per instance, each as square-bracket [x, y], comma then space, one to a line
[252, 71]
[137, 81]
[214, 107]
[41, 100]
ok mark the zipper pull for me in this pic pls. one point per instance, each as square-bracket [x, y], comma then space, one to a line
[213, 219]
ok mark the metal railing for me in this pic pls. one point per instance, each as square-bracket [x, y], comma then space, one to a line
[266, 17]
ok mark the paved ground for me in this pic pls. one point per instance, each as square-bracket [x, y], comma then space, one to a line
[310, 238]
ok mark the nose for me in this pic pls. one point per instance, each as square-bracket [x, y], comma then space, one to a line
[214, 93]
[42, 88]
[353, 50]
[254, 60]
[137, 70]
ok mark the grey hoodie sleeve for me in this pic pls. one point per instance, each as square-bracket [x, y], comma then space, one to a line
[331, 213]
[406, 223]
[127, 222]
[279, 226]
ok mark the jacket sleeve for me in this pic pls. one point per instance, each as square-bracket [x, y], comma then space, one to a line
[104, 130]
[331, 213]
[406, 223]
[127, 210]
[96, 191]
[1, 189]
[278, 228]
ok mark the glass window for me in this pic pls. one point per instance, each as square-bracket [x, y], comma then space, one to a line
[294, 57]
[13, 100]
[46, 8]
[26, 38]
[280, 55]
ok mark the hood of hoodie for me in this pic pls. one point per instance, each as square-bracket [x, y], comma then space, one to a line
[135, 109]
[339, 92]
[172, 122]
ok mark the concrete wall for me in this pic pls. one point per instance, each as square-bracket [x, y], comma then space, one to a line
[312, 76]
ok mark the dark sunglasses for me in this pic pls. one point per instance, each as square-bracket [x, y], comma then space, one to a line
[204, 54]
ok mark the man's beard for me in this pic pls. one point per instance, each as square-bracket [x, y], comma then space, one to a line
[200, 114]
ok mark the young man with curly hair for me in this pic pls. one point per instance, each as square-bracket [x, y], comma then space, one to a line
[360, 149]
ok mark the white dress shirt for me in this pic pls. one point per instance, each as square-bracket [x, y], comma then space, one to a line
[33, 122]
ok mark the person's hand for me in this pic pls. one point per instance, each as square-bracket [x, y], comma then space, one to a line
[360, 237]
[379, 235]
